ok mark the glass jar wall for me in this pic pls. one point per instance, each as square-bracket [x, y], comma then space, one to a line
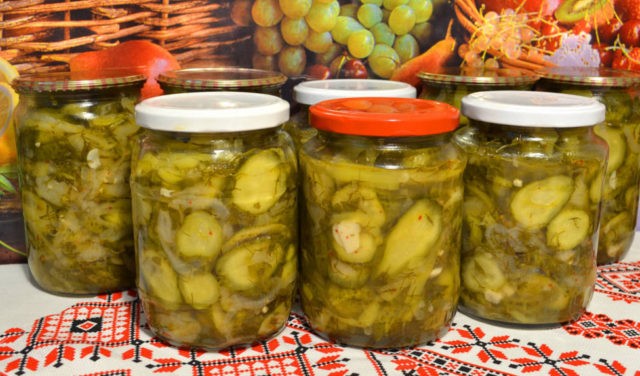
[215, 217]
[380, 221]
[74, 134]
[618, 91]
[530, 223]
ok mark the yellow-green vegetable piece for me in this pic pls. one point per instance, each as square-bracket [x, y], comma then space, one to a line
[200, 290]
[568, 229]
[482, 272]
[248, 266]
[354, 196]
[538, 202]
[160, 277]
[348, 275]
[260, 182]
[200, 235]
[411, 238]
[617, 145]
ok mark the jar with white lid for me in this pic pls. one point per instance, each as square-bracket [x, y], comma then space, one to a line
[618, 90]
[215, 217]
[308, 93]
[531, 208]
[380, 220]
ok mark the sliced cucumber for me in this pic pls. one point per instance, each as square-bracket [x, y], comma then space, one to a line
[412, 238]
[538, 202]
[617, 145]
[260, 182]
[200, 235]
[568, 229]
[199, 290]
[159, 277]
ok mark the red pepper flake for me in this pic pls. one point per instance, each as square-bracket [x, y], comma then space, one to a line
[420, 218]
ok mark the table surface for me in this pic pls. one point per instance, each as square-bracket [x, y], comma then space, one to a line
[107, 334]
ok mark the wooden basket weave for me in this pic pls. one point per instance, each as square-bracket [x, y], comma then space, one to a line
[41, 35]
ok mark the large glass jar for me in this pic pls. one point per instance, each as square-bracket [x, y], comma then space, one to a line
[215, 217]
[618, 91]
[308, 93]
[381, 220]
[531, 211]
[222, 79]
[453, 83]
[74, 134]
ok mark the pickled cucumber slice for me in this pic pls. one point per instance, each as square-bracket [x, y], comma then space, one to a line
[568, 229]
[159, 277]
[199, 236]
[482, 272]
[250, 265]
[354, 196]
[617, 145]
[348, 275]
[200, 290]
[411, 238]
[260, 182]
[538, 202]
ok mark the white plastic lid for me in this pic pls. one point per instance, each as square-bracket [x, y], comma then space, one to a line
[533, 109]
[203, 112]
[312, 92]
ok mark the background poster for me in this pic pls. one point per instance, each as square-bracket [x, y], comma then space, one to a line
[299, 37]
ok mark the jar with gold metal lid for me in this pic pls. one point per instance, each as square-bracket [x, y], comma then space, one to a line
[453, 83]
[74, 134]
[222, 79]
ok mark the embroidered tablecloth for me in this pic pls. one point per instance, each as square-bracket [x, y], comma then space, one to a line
[43, 334]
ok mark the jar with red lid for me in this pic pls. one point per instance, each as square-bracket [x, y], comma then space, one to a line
[380, 220]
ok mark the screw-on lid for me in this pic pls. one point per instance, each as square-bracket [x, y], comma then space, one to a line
[592, 76]
[212, 112]
[222, 78]
[384, 117]
[312, 92]
[504, 78]
[532, 108]
[74, 81]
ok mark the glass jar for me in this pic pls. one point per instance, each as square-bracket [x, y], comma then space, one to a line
[380, 220]
[308, 93]
[215, 217]
[618, 91]
[222, 79]
[74, 132]
[453, 83]
[530, 224]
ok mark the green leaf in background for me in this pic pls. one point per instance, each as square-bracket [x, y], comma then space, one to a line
[6, 185]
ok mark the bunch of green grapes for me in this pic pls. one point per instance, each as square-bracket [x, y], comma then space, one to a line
[289, 34]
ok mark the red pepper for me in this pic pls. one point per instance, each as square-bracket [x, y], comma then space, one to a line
[136, 56]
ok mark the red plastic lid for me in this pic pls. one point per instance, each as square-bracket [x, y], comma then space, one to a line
[382, 116]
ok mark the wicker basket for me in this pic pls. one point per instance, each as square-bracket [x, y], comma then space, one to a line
[42, 35]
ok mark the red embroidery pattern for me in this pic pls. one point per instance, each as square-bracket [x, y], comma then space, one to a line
[619, 332]
[621, 282]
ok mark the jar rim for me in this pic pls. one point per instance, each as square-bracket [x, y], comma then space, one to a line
[479, 76]
[76, 80]
[384, 116]
[591, 76]
[212, 112]
[221, 78]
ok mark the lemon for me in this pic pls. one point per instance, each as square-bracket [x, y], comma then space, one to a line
[8, 101]
[7, 71]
